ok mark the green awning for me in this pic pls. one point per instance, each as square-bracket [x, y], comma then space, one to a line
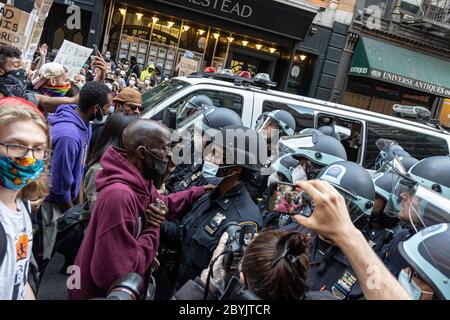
[386, 62]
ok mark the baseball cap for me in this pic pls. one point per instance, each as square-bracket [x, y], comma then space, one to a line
[48, 71]
[129, 95]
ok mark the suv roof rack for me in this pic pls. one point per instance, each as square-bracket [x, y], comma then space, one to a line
[238, 81]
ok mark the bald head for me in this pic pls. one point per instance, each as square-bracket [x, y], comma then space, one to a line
[145, 132]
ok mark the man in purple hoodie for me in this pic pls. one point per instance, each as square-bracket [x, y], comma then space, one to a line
[70, 134]
[120, 237]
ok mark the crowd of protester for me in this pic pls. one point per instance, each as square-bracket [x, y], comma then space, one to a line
[82, 175]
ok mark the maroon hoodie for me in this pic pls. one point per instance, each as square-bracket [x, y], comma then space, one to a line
[116, 242]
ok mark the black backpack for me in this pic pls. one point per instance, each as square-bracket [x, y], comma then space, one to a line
[3, 244]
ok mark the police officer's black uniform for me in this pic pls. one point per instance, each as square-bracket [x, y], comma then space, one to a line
[330, 270]
[204, 226]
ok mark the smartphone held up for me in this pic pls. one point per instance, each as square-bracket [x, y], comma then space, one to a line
[288, 199]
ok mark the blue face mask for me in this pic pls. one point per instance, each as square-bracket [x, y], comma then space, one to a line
[111, 109]
[209, 169]
[410, 286]
[16, 173]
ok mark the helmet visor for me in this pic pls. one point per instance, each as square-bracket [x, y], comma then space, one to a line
[417, 205]
[267, 127]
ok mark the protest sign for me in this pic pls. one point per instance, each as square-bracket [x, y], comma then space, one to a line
[13, 23]
[187, 66]
[41, 9]
[73, 56]
[36, 25]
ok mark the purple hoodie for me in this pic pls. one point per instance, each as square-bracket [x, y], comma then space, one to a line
[70, 137]
[118, 240]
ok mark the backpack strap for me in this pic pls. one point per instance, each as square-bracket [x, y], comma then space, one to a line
[3, 244]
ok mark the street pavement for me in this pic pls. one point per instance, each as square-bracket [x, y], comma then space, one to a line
[53, 284]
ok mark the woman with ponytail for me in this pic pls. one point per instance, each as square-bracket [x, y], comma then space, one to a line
[274, 267]
[24, 152]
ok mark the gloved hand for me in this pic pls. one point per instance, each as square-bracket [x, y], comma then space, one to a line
[217, 280]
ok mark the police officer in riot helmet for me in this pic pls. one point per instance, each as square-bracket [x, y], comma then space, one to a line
[302, 163]
[421, 198]
[280, 120]
[193, 105]
[185, 177]
[322, 151]
[232, 161]
[329, 268]
[389, 149]
[271, 125]
[382, 227]
[427, 271]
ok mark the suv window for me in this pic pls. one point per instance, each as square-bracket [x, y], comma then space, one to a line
[304, 117]
[163, 91]
[352, 141]
[222, 99]
[418, 145]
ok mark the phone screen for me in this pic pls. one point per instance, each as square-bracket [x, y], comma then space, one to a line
[95, 49]
[286, 198]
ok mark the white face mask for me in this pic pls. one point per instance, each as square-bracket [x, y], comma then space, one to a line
[146, 82]
[132, 82]
[298, 174]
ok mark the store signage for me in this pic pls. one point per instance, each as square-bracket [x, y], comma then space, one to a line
[13, 23]
[225, 6]
[359, 70]
[270, 16]
[73, 56]
[402, 81]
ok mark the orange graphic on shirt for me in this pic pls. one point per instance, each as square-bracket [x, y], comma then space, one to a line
[22, 247]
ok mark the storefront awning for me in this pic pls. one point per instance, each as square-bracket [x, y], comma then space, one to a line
[386, 62]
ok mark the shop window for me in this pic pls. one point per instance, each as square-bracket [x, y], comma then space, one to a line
[304, 117]
[419, 145]
[352, 139]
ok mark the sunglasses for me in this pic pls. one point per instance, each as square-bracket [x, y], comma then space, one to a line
[133, 107]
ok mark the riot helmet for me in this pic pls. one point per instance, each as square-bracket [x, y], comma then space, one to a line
[383, 182]
[219, 118]
[388, 149]
[233, 146]
[421, 197]
[317, 150]
[329, 131]
[428, 255]
[277, 119]
[287, 167]
[355, 184]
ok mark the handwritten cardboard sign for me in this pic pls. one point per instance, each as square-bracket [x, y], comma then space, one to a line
[73, 56]
[187, 66]
[13, 23]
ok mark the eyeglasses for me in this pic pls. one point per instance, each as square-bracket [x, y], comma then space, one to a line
[20, 151]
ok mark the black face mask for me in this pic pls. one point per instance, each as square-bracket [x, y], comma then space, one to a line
[157, 172]
[98, 115]
[13, 83]
[312, 170]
